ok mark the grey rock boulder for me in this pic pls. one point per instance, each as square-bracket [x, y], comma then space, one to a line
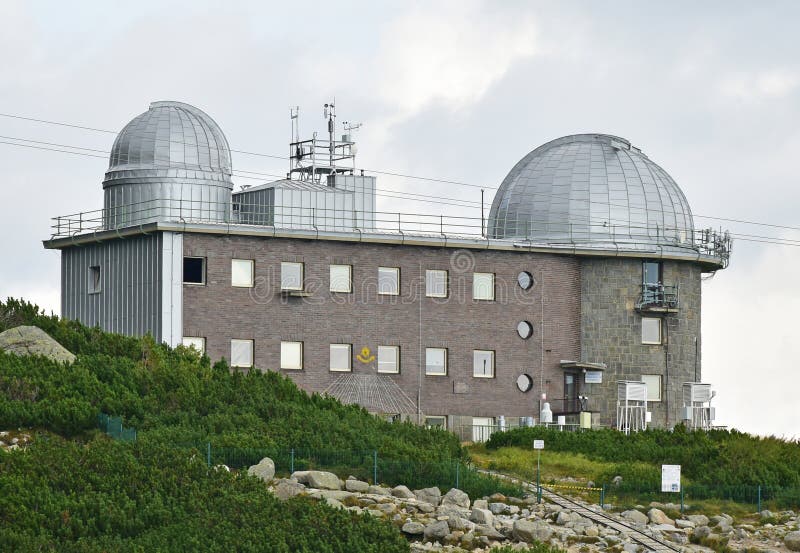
[357, 486]
[429, 495]
[683, 523]
[403, 492]
[792, 541]
[530, 531]
[379, 490]
[481, 516]
[456, 497]
[636, 516]
[657, 516]
[436, 531]
[32, 340]
[264, 470]
[318, 479]
[488, 532]
[285, 489]
[699, 520]
[701, 532]
[413, 528]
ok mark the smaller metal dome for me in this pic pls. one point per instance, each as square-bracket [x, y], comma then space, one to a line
[171, 162]
[595, 190]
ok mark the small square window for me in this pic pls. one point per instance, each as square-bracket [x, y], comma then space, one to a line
[436, 284]
[195, 342]
[94, 280]
[436, 422]
[651, 330]
[291, 276]
[242, 273]
[483, 286]
[241, 353]
[389, 359]
[653, 382]
[389, 281]
[292, 355]
[482, 363]
[341, 357]
[435, 361]
[194, 270]
[341, 278]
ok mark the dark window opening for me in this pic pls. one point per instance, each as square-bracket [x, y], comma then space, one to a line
[194, 270]
[94, 279]
[652, 272]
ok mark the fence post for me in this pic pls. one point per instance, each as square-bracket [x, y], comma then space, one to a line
[681, 499]
[602, 496]
[208, 453]
[375, 467]
[759, 498]
[458, 469]
[291, 462]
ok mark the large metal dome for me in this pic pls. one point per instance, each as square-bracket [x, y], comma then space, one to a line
[594, 190]
[173, 159]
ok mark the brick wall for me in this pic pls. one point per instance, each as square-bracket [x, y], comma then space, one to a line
[363, 318]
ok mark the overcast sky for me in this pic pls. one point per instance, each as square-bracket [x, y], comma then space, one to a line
[459, 91]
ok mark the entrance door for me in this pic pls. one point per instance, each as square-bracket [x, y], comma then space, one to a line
[570, 393]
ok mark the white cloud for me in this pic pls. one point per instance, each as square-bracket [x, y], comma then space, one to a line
[760, 85]
[450, 53]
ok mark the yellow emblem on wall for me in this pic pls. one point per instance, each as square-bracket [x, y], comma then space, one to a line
[365, 356]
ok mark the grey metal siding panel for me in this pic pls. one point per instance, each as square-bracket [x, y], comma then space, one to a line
[129, 300]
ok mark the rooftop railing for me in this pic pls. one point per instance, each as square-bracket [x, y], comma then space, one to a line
[708, 242]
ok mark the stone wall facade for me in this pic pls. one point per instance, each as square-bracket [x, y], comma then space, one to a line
[611, 330]
[219, 312]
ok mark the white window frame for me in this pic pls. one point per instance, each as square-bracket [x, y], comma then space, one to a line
[393, 351]
[432, 280]
[196, 342]
[349, 349]
[387, 271]
[429, 421]
[428, 371]
[285, 285]
[94, 279]
[653, 382]
[245, 267]
[285, 353]
[337, 283]
[475, 354]
[204, 269]
[240, 342]
[478, 292]
[645, 322]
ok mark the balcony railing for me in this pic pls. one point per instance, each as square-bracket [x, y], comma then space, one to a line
[658, 297]
[569, 405]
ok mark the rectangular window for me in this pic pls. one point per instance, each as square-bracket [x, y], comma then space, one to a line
[483, 363]
[242, 273]
[483, 286]
[435, 361]
[436, 422]
[94, 280]
[194, 270]
[341, 278]
[651, 330]
[341, 357]
[436, 284]
[652, 272]
[389, 281]
[241, 353]
[653, 382]
[195, 342]
[292, 355]
[291, 276]
[389, 359]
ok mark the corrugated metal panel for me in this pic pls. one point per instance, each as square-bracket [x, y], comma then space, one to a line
[129, 299]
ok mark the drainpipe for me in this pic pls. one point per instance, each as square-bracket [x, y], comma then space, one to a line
[666, 369]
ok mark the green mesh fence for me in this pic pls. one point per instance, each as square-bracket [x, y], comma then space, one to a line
[114, 428]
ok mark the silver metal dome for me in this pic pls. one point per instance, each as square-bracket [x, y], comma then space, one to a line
[595, 190]
[171, 162]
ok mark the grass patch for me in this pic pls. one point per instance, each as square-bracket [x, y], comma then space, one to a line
[555, 465]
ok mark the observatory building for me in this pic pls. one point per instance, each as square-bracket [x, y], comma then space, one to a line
[577, 301]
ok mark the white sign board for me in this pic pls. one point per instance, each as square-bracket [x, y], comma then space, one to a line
[594, 377]
[670, 478]
[538, 444]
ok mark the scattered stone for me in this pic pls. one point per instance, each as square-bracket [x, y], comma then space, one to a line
[286, 488]
[657, 516]
[456, 497]
[318, 479]
[481, 516]
[356, 486]
[617, 480]
[480, 504]
[32, 340]
[701, 532]
[429, 495]
[699, 520]
[683, 523]
[436, 530]
[792, 540]
[379, 490]
[413, 528]
[636, 516]
[530, 531]
[264, 470]
[402, 492]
